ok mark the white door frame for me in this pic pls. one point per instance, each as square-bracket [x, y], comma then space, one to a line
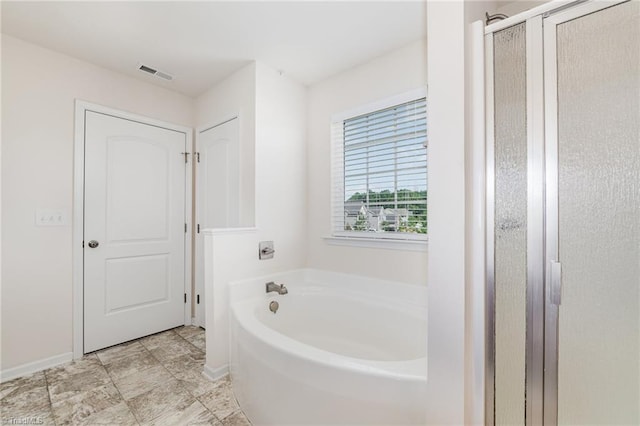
[78, 211]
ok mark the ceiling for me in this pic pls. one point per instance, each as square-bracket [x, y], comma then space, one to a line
[200, 43]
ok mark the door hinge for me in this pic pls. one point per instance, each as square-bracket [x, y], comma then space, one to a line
[198, 299]
[198, 228]
[82, 244]
[186, 156]
[185, 228]
[198, 156]
[185, 298]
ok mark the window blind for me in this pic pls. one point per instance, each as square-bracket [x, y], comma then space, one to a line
[380, 173]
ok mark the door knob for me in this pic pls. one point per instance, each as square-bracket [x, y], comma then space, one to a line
[93, 244]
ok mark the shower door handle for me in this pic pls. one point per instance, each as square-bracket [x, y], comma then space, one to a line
[555, 273]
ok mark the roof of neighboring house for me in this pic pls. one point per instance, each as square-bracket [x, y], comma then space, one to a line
[353, 208]
[396, 212]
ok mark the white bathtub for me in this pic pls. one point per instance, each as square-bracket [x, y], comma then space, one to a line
[341, 350]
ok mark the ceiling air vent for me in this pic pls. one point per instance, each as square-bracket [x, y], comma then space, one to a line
[155, 72]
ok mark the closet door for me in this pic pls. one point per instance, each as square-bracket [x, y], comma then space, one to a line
[592, 76]
[217, 193]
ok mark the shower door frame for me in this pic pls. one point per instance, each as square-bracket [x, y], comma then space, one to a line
[543, 301]
[535, 224]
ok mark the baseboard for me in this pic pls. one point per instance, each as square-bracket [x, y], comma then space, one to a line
[35, 366]
[194, 321]
[215, 374]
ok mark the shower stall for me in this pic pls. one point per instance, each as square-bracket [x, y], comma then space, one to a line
[562, 152]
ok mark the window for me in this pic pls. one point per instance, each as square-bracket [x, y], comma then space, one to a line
[380, 172]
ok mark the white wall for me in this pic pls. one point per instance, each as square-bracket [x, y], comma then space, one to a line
[446, 274]
[280, 182]
[1, 209]
[475, 212]
[235, 95]
[281, 153]
[39, 87]
[456, 191]
[511, 8]
[389, 75]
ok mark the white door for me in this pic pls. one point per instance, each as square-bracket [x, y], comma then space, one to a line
[217, 192]
[134, 235]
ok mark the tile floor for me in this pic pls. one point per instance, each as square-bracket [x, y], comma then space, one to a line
[156, 380]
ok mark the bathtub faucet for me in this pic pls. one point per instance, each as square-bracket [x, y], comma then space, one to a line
[271, 286]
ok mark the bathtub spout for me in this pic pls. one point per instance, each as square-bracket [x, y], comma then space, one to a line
[280, 289]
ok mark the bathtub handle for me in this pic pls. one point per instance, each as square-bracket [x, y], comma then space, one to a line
[267, 251]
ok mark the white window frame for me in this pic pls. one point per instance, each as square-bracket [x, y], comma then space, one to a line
[403, 241]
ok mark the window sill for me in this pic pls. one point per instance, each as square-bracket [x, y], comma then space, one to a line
[389, 244]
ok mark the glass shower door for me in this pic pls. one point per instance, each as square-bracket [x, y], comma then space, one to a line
[592, 60]
[510, 224]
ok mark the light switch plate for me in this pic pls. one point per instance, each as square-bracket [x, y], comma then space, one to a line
[51, 217]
